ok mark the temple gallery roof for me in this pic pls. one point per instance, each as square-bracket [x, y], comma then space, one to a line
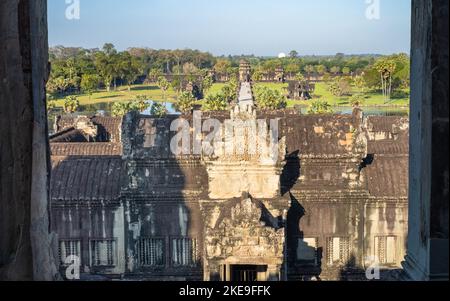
[88, 171]
[387, 173]
[70, 135]
[108, 128]
[387, 176]
[85, 149]
[86, 158]
[318, 136]
[86, 136]
[86, 179]
[385, 123]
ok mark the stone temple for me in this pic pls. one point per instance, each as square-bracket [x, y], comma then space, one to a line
[101, 176]
[325, 202]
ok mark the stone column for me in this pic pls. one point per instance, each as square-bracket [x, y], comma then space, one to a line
[273, 273]
[25, 248]
[427, 254]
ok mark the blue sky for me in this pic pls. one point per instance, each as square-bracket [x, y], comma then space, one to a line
[260, 27]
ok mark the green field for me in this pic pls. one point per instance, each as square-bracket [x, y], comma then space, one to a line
[122, 94]
[372, 99]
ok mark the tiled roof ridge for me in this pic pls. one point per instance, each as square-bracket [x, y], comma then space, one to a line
[86, 149]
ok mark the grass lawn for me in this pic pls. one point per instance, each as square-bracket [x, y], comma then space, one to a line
[154, 93]
[122, 94]
[372, 99]
[215, 88]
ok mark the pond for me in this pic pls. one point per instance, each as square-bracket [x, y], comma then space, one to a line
[105, 108]
[170, 107]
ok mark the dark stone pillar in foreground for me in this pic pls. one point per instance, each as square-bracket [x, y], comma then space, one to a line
[427, 256]
[25, 248]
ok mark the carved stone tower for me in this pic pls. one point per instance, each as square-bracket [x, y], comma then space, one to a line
[244, 71]
[279, 74]
[245, 219]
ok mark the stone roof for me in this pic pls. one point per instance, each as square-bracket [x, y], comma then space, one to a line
[92, 171]
[86, 179]
[319, 135]
[100, 137]
[387, 176]
[85, 149]
[109, 128]
[400, 147]
[384, 123]
[69, 135]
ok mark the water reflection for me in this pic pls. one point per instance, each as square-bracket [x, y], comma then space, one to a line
[170, 107]
[105, 108]
[90, 109]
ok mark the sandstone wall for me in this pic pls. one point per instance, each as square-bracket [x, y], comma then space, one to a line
[25, 252]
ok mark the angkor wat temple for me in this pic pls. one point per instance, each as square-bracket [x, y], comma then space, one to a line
[95, 198]
[330, 203]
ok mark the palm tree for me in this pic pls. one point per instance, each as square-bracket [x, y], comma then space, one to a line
[164, 85]
[186, 102]
[346, 70]
[300, 78]
[158, 109]
[321, 69]
[71, 67]
[105, 68]
[207, 83]
[71, 104]
[386, 67]
[140, 102]
[217, 102]
[120, 109]
[335, 70]
[309, 69]
[320, 107]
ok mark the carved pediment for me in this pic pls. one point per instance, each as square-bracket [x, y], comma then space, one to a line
[247, 230]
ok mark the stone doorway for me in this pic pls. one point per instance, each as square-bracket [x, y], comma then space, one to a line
[245, 273]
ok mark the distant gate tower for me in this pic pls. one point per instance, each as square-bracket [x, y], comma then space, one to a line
[244, 71]
[279, 74]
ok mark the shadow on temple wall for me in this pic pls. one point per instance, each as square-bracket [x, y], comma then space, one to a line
[164, 178]
[84, 194]
[291, 172]
[306, 259]
[351, 272]
[367, 161]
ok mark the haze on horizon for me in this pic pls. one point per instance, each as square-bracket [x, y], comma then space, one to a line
[235, 27]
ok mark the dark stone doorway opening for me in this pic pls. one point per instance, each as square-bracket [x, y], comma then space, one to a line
[246, 273]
